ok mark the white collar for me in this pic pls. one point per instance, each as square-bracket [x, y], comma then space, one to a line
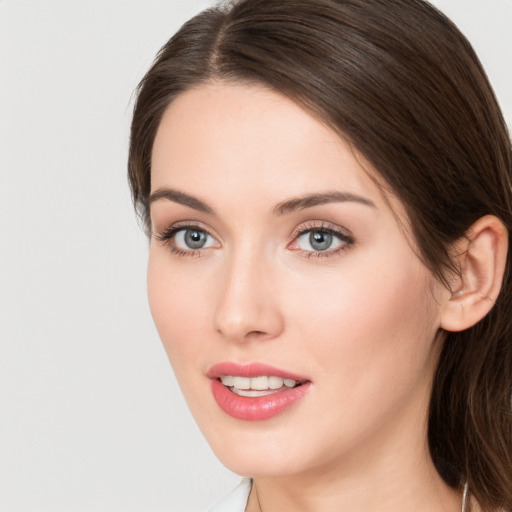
[236, 501]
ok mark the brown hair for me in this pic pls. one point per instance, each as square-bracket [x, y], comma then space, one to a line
[399, 81]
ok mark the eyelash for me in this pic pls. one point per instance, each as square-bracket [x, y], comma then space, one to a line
[323, 227]
[168, 235]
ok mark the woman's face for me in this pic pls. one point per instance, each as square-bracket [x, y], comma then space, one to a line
[275, 258]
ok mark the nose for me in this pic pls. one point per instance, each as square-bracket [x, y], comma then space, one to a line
[248, 307]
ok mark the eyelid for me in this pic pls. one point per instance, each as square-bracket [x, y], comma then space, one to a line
[343, 234]
[167, 235]
[174, 227]
[320, 225]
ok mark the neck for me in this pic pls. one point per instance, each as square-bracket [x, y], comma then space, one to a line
[419, 489]
[387, 470]
[391, 471]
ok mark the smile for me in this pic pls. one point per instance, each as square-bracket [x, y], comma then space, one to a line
[257, 386]
[255, 392]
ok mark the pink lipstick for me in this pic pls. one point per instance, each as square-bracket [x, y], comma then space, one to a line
[255, 392]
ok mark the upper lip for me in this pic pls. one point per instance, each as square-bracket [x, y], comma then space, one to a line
[252, 369]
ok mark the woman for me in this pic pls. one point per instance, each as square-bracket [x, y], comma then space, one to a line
[327, 189]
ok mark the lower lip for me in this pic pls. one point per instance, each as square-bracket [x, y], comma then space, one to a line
[256, 408]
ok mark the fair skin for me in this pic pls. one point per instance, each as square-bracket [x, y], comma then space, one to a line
[235, 275]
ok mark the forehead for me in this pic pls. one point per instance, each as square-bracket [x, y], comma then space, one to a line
[249, 140]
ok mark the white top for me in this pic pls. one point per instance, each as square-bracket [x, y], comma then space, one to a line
[236, 501]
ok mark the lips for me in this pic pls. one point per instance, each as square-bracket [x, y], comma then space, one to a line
[255, 392]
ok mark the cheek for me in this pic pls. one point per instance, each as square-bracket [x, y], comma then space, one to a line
[368, 327]
[176, 301]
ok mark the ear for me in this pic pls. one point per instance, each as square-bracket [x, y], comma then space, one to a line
[481, 257]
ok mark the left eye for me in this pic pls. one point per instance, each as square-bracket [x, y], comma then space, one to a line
[319, 240]
[192, 239]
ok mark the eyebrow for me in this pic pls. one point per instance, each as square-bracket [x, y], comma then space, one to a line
[181, 198]
[310, 200]
[289, 206]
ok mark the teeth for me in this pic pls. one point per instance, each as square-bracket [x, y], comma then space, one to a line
[242, 382]
[253, 392]
[227, 380]
[260, 383]
[275, 382]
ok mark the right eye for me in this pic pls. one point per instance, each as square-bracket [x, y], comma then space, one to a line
[192, 239]
[187, 240]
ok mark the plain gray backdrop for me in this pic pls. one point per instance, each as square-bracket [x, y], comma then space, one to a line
[91, 416]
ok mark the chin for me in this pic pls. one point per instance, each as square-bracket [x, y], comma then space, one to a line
[260, 449]
[257, 463]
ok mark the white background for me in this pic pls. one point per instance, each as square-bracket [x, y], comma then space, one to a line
[91, 416]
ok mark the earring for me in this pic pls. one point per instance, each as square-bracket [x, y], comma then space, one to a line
[464, 497]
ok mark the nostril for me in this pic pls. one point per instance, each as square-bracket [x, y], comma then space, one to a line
[256, 334]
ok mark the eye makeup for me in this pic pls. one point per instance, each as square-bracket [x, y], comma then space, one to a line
[324, 238]
[187, 239]
[313, 239]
